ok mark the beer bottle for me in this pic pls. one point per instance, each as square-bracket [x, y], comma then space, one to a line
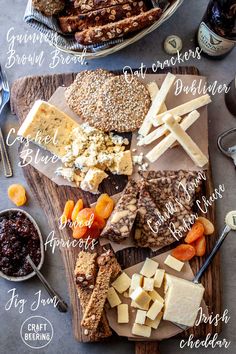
[217, 32]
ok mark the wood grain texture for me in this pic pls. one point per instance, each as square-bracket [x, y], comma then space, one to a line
[52, 198]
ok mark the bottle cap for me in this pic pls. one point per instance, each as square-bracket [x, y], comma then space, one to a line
[173, 44]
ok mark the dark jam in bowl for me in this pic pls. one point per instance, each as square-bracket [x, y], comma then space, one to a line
[18, 238]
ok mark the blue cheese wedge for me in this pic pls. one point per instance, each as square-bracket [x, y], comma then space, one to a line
[182, 300]
[48, 127]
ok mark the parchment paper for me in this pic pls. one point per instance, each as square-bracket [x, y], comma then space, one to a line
[174, 158]
[166, 329]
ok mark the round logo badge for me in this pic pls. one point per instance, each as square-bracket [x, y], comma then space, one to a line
[36, 332]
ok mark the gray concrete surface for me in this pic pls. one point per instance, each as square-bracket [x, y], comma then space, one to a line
[148, 50]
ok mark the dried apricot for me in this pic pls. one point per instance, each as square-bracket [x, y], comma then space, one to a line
[98, 222]
[200, 246]
[85, 217]
[68, 209]
[207, 224]
[92, 232]
[183, 252]
[78, 206]
[196, 231]
[104, 206]
[79, 231]
[17, 194]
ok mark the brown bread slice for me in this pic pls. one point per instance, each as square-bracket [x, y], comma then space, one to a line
[79, 22]
[86, 264]
[90, 5]
[109, 268]
[118, 29]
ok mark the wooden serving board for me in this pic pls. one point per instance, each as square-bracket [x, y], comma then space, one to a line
[52, 199]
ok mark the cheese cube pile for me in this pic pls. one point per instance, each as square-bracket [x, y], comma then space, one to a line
[151, 307]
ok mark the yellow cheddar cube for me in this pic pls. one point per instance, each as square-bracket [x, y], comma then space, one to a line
[174, 263]
[141, 330]
[122, 283]
[154, 310]
[149, 268]
[133, 304]
[154, 323]
[136, 281]
[155, 296]
[148, 284]
[140, 297]
[140, 317]
[123, 313]
[113, 297]
[158, 278]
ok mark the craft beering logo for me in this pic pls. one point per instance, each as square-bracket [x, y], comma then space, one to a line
[36, 332]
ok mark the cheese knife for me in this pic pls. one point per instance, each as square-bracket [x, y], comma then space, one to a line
[230, 224]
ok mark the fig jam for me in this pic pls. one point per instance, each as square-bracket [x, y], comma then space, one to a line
[18, 238]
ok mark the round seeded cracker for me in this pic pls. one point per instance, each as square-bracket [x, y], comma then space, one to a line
[122, 106]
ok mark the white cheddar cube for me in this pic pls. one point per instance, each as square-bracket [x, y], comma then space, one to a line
[154, 323]
[140, 317]
[154, 310]
[141, 330]
[133, 304]
[113, 297]
[158, 278]
[155, 296]
[136, 281]
[123, 313]
[182, 300]
[174, 263]
[141, 297]
[149, 268]
[122, 283]
[148, 284]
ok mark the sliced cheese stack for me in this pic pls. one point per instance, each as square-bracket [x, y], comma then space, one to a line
[48, 127]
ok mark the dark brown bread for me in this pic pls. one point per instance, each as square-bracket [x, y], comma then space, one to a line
[90, 5]
[79, 22]
[49, 7]
[110, 31]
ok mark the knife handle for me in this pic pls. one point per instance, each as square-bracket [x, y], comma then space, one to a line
[5, 159]
[215, 249]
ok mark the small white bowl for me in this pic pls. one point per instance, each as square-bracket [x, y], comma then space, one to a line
[30, 275]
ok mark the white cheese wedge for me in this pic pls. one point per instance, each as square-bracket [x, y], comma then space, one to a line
[136, 281]
[149, 268]
[140, 297]
[158, 278]
[140, 316]
[174, 263]
[182, 300]
[148, 284]
[123, 313]
[185, 141]
[136, 306]
[169, 140]
[113, 297]
[141, 330]
[157, 104]
[92, 180]
[48, 127]
[154, 310]
[122, 283]
[183, 109]
[155, 296]
[154, 323]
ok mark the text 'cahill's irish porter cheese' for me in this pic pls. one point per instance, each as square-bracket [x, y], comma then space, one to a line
[217, 31]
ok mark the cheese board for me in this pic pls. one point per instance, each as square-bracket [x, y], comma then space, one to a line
[52, 198]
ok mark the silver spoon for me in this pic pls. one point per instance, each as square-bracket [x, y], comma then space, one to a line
[60, 303]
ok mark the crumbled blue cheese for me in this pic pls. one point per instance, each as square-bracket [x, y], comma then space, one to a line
[92, 148]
